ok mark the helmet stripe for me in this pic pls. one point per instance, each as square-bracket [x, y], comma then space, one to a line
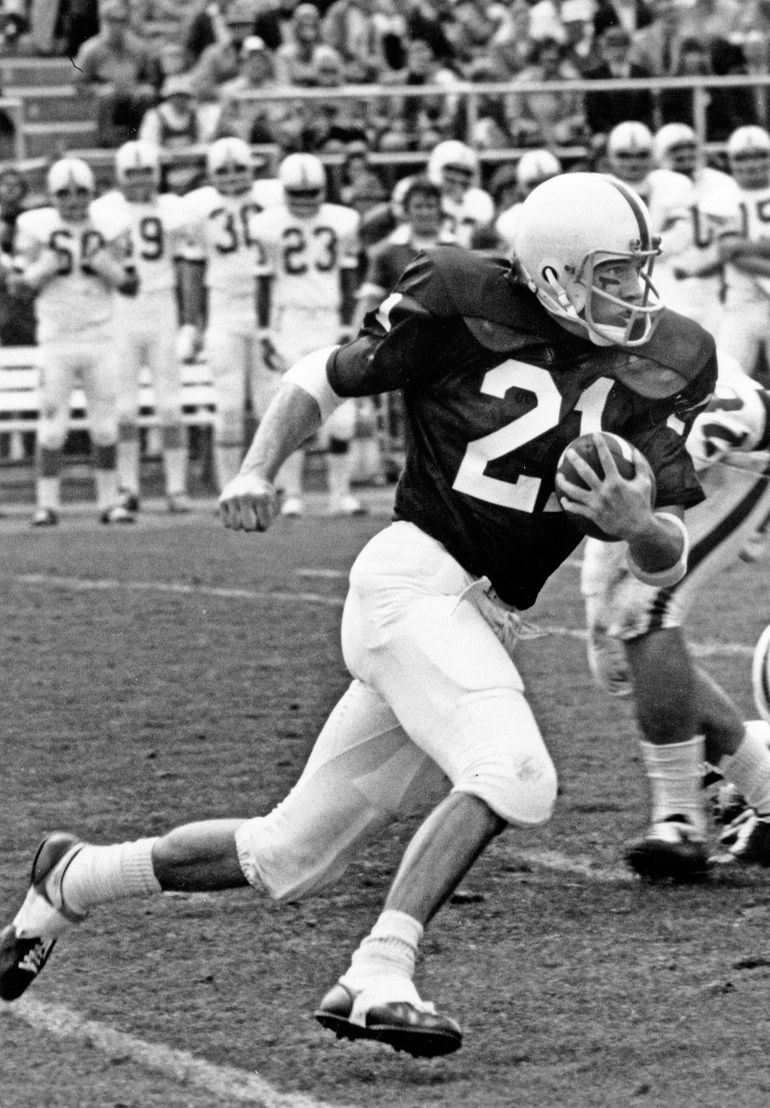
[636, 207]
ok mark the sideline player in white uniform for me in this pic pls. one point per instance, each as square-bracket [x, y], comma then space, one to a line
[668, 196]
[742, 217]
[74, 259]
[534, 167]
[221, 254]
[454, 167]
[697, 289]
[146, 328]
[730, 446]
[307, 277]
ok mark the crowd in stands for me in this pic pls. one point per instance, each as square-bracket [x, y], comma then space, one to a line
[177, 71]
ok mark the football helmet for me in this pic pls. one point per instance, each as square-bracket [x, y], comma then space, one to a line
[229, 166]
[676, 147]
[535, 166]
[71, 187]
[748, 152]
[453, 166]
[137, 169]
[567, 227]
[629, 151]
[303, 178]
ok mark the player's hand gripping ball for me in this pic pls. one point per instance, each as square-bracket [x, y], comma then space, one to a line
[626, 459]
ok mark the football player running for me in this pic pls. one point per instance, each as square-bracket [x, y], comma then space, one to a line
[220, 256]
[626, 618]
[454, 167]
[72, 258]
[501, 367]
[146, 327]
[307, 276]
[696, 290]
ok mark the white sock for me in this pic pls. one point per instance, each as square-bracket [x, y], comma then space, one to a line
[98, 874]
[175, 465]
[48, 495]
[389, 950]
[674, 773]
[338, 468]
[128, 464]
[106, 481]
[749, 768]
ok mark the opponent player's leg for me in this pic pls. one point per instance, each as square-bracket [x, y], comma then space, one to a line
[412, 634]
[57, 376]
[100, 371]
[129, 351]
[166, 373]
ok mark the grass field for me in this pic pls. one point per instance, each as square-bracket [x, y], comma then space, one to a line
[174, 671]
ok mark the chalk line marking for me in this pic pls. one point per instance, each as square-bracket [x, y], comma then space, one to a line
[226, 1082]
[86, 584]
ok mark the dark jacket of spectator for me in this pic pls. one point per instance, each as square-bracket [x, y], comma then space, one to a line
[603, 110]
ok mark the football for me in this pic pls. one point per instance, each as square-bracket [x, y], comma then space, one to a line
[622, 452]
[760, 674]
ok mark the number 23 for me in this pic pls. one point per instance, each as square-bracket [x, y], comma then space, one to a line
[522, 494]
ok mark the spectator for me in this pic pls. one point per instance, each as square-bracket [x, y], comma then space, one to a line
[17, 314]
[676, 105]
[332, 124]
[489, 130]
[511, 43]
[253, 121]
[121, 71]
[390, 27]
[756, 54]
[79, 22]
[631, 15]
[606, 109]
[658, 46]
[219, 61]
[172, 58]
[473, 29]
[710, 19]
[179, 121]
[546, 118]
[349, 26]
[15, 39]
[730, 108]
[297, 62]
[426, 21]
[415, 119]
[212, 23]
[577, 17]
[274, 23]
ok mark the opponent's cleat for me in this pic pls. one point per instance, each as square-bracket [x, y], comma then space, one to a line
[671, 848]
[348, 506]
[129, 500]
[418, 1031]
[45, 517]
[292, 507]
[179, 503]
[746, 840]
[117, 514]
[26, 946]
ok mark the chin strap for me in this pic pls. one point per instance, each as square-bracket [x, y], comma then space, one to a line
[560, 292]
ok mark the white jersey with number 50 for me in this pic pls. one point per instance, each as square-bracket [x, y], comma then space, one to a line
[305, 255]
[77, 299]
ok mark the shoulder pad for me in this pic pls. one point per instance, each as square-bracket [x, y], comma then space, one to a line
[679, 355]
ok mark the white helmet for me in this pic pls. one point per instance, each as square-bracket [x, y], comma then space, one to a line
[453, 166]
[748, 152]
[71, 187]
[137, 169]
[230, 167]
[536, 166]
[676, 147]
[303, 178]
[566, 227]
[629, 151]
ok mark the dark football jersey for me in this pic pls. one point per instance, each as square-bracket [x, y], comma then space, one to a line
[494, 389]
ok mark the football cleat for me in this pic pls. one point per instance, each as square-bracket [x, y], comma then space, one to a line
[419, 1031]
[45, 517]
[129, 500]
[347, 506]
[25, 947]
[117, 514]
[671, 848]
[746, 840]
[292, 507]
[178, 503]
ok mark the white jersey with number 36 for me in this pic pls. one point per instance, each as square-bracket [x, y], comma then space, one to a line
[221, 234]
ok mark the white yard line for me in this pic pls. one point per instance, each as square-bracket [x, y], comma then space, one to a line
[88, 584]
[229, 1084]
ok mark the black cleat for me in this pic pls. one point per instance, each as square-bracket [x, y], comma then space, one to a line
[671, 849]
[746, 840]
[420, 1032]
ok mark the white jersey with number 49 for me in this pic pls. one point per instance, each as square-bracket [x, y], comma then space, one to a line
[157, 229]
[76, 299]
[305, 255]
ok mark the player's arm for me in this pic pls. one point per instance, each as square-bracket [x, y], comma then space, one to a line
[112, 263]
[657, 540]
[35, 265]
